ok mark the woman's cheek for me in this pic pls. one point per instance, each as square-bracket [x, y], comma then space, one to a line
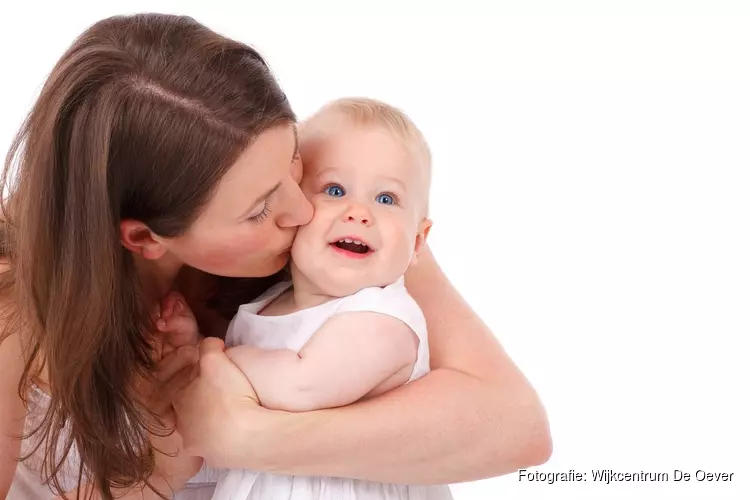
[236, 249]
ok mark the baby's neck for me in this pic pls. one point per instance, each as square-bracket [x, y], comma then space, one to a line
[303, 295]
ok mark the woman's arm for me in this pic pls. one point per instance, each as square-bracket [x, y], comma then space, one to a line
[474, 416]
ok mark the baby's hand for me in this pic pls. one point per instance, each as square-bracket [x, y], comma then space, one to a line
[176, 325]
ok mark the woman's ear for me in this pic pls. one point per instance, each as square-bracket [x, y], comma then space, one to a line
[422, 231]
[138, 238]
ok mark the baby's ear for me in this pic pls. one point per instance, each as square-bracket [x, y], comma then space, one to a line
[422, 231]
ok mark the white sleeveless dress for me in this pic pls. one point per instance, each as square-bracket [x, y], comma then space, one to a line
[293, 331]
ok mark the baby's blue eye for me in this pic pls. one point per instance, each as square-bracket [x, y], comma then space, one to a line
[385, 199]
[335, 190]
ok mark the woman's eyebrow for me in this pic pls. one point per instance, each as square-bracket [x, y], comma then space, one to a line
[296, 143]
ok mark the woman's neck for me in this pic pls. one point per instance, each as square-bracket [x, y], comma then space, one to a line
[157, 276]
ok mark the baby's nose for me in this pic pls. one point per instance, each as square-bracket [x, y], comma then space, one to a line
[359, 215]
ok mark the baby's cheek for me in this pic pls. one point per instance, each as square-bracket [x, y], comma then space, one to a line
[305, 232]
[407, 238]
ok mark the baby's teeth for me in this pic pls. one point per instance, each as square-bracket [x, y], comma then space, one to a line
[348, 240]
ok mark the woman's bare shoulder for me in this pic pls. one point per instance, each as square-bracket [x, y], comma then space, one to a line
[6, 281]
[12, 415]
[15, 342]
[10, 338]
[8, 305]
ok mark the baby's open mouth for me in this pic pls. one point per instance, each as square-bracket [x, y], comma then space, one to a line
[354, 246]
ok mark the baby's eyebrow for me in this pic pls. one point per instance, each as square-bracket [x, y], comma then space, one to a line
[396, 181]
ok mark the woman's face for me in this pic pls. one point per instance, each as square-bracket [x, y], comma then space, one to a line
[247, 228]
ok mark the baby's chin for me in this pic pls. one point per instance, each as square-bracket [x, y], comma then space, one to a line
[343, 284]
[334, 280]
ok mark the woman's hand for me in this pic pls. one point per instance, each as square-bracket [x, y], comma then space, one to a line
[177, 356]
[217, 408]
[173, 373]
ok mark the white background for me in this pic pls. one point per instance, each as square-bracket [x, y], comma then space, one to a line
[591, 196]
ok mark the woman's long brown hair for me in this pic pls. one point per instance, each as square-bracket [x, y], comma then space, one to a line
[139, 119]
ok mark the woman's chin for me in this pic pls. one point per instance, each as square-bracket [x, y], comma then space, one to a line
[255, 269]
[272, 266]
[282, 261]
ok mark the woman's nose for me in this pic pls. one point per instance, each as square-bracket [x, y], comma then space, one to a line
[298, 209]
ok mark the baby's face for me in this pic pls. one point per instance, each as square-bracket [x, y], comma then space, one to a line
[368, 191]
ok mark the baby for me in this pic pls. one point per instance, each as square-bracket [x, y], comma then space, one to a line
[344, 328]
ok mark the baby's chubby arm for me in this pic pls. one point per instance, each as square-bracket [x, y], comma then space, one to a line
[351, 354]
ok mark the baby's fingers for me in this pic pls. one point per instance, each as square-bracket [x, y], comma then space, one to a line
[172, 304]
[179, 330]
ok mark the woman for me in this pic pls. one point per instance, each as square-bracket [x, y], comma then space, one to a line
[163, 156]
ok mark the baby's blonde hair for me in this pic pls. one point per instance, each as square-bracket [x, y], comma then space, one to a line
[368, 111]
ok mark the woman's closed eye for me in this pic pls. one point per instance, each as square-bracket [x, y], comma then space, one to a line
[260, 214]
